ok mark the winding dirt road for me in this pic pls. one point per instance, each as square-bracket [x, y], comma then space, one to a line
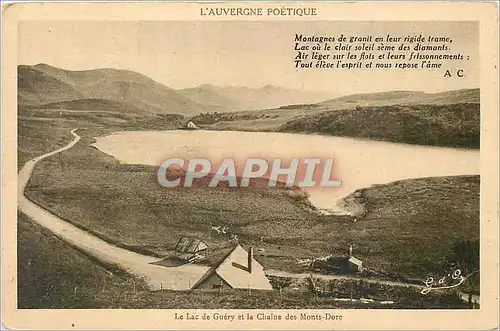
[156, 276]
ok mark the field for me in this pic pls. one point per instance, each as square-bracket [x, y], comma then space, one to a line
[403, 229]
[124, 205]
[454, 125]
[38, 137]
[52, 274]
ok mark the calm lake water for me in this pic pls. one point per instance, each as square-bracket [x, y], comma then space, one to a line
[359, 163]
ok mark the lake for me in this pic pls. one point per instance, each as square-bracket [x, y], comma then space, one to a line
[359, 163]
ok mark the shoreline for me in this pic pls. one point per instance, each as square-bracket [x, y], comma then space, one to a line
[344, 204]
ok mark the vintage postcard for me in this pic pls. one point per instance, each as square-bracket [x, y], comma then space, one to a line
[250, 165]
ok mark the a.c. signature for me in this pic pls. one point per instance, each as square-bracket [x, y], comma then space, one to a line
[442, 283]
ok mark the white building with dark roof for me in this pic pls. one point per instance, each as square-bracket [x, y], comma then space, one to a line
[239, 270]
[191, 125]
[355, 264]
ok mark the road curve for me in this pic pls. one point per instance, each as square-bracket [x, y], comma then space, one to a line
[156, 276]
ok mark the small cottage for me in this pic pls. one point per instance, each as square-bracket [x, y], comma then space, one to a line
[190, 125]
[355, 264]
[338, 265]
[239, 270]
[190, 249]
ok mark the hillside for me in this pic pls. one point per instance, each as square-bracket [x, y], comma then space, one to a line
[244, 98]
[36, 87]
[42, 84]
[133, 210]
[90, 105]
[411, 214]
[206, 94]
[405, 228]
[455, 125]
[403, 98]
[363, 115]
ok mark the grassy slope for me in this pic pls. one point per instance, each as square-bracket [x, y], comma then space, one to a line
[36, 137]
[125, 204]
[404, 98]
[454, 125]
[448, 118]
[53, 275]
[412, 224]
[134, 210]
[90, 177]
[42, 84]
[35, 87]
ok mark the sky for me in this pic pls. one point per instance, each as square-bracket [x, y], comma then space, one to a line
[183, 54]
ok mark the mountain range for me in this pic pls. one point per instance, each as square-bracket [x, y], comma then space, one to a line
[244, 98]
[45, 86]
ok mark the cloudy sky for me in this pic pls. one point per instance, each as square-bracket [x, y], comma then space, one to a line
[244, 53]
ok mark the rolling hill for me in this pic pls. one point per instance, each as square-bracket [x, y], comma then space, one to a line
[92, 105]
[403, 98]
[450, 118]
[234, 98]
[36, 87]
[208, 94]
[42, 84]
[454, 125]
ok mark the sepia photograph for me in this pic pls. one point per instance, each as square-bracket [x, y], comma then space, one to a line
[256, 164]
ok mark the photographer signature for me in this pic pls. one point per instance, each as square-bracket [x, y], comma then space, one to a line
[442, 283]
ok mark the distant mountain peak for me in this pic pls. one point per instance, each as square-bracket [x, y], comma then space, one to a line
[130, 87]
[44, 84]
[210, 86]
[233, 98]
[44, 65]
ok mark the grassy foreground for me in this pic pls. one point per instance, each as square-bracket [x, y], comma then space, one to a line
[407, 229]
[123, 204]
[53, 275]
